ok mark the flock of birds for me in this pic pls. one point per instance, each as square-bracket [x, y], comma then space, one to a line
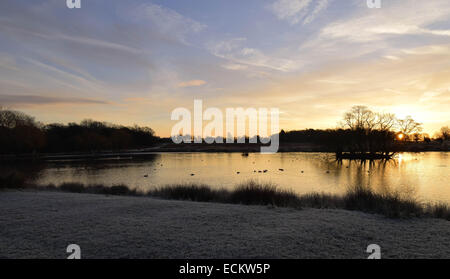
[259, 171]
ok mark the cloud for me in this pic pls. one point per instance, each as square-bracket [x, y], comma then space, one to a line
[362, 33]
[428, 50]
[98, 43]
[235, 67]
[235, 51]
[321, 5]
[338, 81]
[39, 100]
[192, 83]
[169, 21]
[397, 18]
[295, 11]
[391, 57]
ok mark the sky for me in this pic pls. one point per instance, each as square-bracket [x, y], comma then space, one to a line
[134, 62]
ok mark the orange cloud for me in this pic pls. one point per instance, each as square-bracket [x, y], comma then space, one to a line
[192, 83]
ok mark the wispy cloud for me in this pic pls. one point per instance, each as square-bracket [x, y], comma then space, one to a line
[39, 100]
[363, 33]
[235, 51]
[192, 83]
[73, 80]
[321, 5]
[397, 18]
[295, 11]
[169, 21]
[235, 67]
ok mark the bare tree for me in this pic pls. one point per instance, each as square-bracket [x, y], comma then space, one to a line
[12, 119]
[360, 117]
[418, 137]
[409, 125]
[445, 133]
[385, 121]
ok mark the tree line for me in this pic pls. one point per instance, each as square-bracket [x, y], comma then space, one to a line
[362, 130]
[21, 133]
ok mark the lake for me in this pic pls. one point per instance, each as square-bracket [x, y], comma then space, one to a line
[423, 175]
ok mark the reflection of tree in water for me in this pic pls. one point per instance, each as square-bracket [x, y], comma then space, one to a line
[377, 175]
[94, 166]
[26, 172]
[32, 172]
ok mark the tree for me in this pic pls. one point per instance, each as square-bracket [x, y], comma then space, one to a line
[417, 137]
[19, 133]
[385, 121]
[445, 133]
[11, 119]
[360, 118]
[408, 126]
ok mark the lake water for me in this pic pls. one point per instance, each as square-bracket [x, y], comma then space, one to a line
[424, 175]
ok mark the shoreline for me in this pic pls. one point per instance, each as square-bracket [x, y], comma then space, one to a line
[40, 224]
[146, 153]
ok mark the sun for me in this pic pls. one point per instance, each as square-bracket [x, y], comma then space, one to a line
[400, 136]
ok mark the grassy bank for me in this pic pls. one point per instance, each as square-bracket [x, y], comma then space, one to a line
[358, 198]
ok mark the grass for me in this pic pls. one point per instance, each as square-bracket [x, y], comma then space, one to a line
[116, 190]
[190, 192]
[359, 198]
[389, 204]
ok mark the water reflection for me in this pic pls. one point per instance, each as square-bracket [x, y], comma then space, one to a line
[424, 175]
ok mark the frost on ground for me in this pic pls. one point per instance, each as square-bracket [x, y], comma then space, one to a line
[43, 224]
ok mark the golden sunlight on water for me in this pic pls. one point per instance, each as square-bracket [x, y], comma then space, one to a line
[425, 176]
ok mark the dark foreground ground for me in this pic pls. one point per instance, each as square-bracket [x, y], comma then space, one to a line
[42, 224]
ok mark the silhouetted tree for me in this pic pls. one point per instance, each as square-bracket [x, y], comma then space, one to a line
[445, 133]
[409, 126]
[20, 133]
